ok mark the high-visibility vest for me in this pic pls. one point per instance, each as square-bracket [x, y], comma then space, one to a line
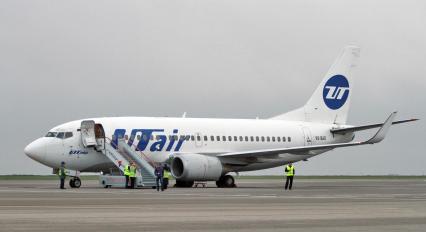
[290, 170]
[126, 170]
[132, 172]
[167, 175]
[62, 171]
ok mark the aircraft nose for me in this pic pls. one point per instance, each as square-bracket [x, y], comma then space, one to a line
[35, 150]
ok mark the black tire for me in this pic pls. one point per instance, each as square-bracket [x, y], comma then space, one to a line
[219, 184]
[184, 184]
[226, 181]
[76, 182]
[72, 183]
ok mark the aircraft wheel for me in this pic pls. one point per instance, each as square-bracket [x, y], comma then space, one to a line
[226, 181]
[75, 182]
[72, 183]
[184, 184]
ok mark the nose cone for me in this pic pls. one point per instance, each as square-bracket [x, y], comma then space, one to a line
[35, 150]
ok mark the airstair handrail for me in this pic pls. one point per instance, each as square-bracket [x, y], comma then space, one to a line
[143, 155]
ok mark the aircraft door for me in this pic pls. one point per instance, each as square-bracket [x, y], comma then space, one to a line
[99, 135]
[88, 136]
[198, 139]
[307, 135]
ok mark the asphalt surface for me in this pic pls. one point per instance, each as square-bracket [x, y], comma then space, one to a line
[256, 205]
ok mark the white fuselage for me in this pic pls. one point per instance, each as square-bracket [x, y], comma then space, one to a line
[204, 136]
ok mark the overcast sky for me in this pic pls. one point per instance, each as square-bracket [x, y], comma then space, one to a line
[66, 60]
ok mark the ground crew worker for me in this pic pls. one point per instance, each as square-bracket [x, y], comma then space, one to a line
[158, 172]
[62, 173]
[127, 174]
[166, 176]
[290, 174]
[132, 175]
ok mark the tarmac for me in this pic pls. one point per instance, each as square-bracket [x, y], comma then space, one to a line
[255, 205]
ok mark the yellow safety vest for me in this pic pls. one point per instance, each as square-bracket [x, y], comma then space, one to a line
[290, 170]
[167, 175]
[132, 171]
[126, 170]
[63, 172]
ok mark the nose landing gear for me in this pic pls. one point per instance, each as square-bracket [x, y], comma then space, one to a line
[75, 182]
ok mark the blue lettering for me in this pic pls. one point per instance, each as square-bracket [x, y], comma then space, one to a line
[118, 133]
[158, 146]
[145, 138]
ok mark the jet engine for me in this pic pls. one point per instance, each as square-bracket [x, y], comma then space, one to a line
[190, 167]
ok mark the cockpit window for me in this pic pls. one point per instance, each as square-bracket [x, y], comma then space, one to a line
[68, 135]
[60, 135]
[51, 134]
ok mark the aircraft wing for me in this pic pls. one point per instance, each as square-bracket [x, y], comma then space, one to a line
[378, 137]
[366, 127]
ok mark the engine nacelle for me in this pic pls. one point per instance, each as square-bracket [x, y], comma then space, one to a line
[189, 167]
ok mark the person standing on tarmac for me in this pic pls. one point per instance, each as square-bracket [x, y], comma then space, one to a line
[127, 174]
[62, 173]
[132, 175]
[158, 172]
[289, 169]
[166, 176]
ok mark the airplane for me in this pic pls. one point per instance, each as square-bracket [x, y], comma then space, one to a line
[208, 149]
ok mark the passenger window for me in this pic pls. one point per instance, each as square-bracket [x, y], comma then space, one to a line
[241, 138]
[283, 139]
[218, 138]
[60, 135]
[246, 138]
[198, 138]
[212, 138]
[279, 139]
[257, 138]
[230, 138]
[205, 138]
[273, 139]
[182, 138]
[68, 135]
[144, 137]
[289, 139]
[151, 137]
[138, 137]
[235, 138]
[251, 138]
[224, 138]
[175, 137]
[263, 138]
[192, 138]
[268, 139]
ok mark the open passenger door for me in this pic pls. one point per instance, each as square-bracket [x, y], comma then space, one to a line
[88, 133]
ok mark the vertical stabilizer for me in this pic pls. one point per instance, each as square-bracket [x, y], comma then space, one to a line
[330, 101]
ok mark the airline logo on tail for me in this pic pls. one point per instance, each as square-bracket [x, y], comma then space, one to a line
[336, 92]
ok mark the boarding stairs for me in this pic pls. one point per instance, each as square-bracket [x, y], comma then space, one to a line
[122, 154]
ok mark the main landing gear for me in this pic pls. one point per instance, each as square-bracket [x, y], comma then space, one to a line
[226, 181]
[75, 182]
[184, 184]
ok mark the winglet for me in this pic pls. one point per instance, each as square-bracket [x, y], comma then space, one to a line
[381, 133]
